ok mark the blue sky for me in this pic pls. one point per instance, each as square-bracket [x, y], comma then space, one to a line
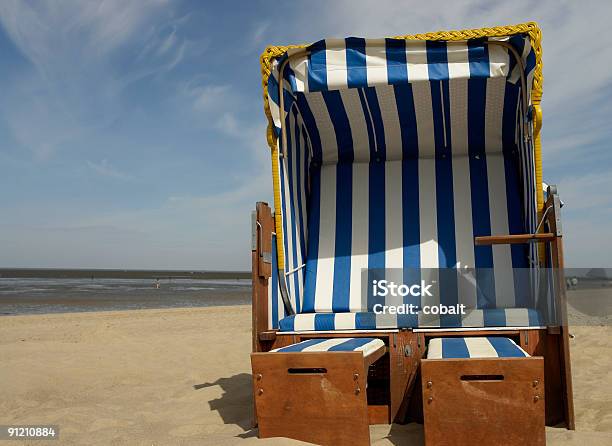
[132, 133]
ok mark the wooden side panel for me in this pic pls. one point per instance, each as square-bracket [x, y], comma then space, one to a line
[390, 380]
[261, 272]
[546, 344]
[556, 247]
[483, 401]
[326, 407]
[556, 411]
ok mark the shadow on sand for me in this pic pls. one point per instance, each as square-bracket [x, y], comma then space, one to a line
[411, 434]
[235, 406]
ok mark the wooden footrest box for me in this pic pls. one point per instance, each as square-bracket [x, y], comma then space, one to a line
[315, 390]
[482, 391]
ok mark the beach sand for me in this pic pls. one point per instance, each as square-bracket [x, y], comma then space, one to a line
[181, 377]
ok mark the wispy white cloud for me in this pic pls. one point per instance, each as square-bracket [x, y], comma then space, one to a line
[51, 34]
[259, 32]
[209, 97]
[105, 169]
[76, 86]
[228, 124]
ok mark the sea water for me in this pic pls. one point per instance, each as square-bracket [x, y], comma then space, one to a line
[32, 295]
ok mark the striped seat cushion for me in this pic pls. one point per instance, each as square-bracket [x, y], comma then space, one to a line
[489, 347]
[365, 345]
[494, 317]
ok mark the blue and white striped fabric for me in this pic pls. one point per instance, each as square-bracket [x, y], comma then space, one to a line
[489, 347]
[494, 317]
[341, 64]
[425, 214]
[294, 178]
[365, 345]
[399, 154]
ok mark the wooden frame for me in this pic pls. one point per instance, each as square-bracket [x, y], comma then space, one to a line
[400, 368]
[404, 374]
[483, 401]
[318, 397]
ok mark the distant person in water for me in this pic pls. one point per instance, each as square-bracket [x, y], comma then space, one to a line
[157, 284]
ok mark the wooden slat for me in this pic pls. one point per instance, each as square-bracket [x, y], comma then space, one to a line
[513, 239]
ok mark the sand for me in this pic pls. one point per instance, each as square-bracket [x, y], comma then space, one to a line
[181, 377]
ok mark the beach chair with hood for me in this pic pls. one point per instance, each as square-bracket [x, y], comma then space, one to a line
[416, 161]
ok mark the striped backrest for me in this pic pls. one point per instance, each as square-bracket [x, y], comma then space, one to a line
[399, 154]
[407, 222]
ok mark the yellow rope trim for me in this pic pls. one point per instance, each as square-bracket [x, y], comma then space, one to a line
[537, 149]
[530, 28]
[278, 220]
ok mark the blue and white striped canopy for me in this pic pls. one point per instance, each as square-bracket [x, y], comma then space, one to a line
[340, 64]
[398, 153]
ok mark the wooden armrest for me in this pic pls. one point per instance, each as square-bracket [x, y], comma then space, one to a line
[513, 239]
